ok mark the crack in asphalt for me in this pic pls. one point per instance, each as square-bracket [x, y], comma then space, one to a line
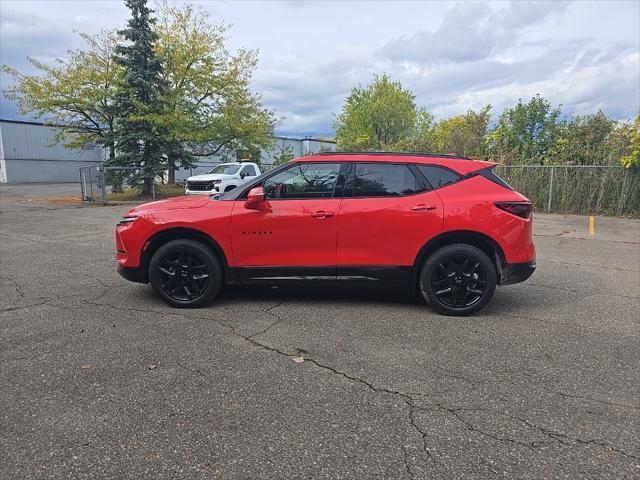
[47, 301]
[592, 399]
[562, 438]
[407, 397]
[594, 330]
[41, 354]
[605, 445]
[469, 426]
[268, 311]
[37, 304]
[408, 400]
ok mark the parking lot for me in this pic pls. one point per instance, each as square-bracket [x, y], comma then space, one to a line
[100, 379]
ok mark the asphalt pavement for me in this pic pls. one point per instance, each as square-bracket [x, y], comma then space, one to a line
[100, 379]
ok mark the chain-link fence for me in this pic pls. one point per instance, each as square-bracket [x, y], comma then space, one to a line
[577, 189]
[90, 183]
[101, 184]
[574, 189]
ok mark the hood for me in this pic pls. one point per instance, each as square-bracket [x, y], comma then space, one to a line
[193, 201]
[208, 177]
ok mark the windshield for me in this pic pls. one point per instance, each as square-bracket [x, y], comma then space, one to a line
[226, 169]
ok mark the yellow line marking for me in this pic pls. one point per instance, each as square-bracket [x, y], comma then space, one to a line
[592, 225]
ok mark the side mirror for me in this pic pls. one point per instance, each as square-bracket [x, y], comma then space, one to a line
[255, 197]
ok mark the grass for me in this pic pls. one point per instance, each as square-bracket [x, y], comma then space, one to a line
[131, 194]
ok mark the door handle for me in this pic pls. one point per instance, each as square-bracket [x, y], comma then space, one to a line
[321, 214]
[422, 208]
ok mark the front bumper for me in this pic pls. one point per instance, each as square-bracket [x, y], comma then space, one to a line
[133, 274]
[516, 272]
[213, 191]
[201, 192]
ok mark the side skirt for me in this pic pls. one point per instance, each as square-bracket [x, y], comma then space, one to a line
[387, 276]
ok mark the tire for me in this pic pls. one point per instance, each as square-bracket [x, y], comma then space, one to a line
[229, 188]
[458, 279]
[185, 273]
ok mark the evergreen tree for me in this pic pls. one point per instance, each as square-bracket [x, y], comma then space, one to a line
[139, 132]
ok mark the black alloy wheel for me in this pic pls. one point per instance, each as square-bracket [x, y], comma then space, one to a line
[185, 273]
[184, 276]
[458, 279]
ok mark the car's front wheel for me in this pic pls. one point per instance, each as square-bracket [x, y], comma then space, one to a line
[458, 279]
[185, 273]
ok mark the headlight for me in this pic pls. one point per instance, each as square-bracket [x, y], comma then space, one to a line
[127, 220]
[216, 182]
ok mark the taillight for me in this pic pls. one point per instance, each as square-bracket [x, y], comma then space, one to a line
[519, 209]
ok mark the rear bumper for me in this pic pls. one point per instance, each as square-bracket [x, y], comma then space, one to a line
[516, 272]
[133, 274]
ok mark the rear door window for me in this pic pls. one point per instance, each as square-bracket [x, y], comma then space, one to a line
[384, 180]
[438, 176]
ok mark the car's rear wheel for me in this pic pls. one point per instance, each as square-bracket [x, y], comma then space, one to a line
[458, 279]
[185, 273]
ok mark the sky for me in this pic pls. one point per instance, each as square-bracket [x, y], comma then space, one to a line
[454, 56]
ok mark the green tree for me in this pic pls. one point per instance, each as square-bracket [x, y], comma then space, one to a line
[283, 154]
[418, 138]
[208, 106]
[586, 140]
[378, 117]
[139, 130]
[76, 94]
[201, 105]
[461, 134]
[525, 133]
[631, 133]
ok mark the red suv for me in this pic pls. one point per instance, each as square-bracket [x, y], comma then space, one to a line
[442, 225]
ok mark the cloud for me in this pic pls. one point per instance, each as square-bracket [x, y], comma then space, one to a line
[469, 32]
[307, 94]
[453, 56]
[478, 55]
[25, 33]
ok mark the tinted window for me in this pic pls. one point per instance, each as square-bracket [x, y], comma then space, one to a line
[383, 180]
[303, 180]
[438, 176]
[493, 176]
[226, 169]
[249, 170]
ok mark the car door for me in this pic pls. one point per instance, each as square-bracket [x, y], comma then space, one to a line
[387, 214]
[293, 232]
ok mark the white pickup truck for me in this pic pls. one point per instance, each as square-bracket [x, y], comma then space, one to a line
[222, 178]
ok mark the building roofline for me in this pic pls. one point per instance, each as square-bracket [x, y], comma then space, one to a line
[25, 122]
[282, 137]
[42, 124]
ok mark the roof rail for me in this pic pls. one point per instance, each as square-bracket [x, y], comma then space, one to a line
[409, 154]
